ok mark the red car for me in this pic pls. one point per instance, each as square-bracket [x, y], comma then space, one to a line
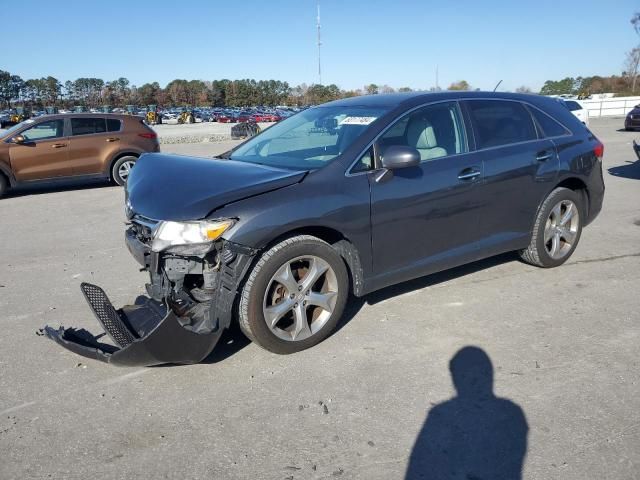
[250, 117]
[226, 118]
[271, 117]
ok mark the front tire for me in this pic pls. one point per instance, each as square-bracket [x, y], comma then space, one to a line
[121, 169]
[557, 229]
[4, 185]
[294, 296]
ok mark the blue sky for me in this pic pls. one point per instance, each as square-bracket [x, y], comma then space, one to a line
[395, 42]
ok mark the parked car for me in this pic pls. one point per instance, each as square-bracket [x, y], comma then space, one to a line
[227, 118]
[632, 120]
[578, 110]
[271, 117]
[278, 232]
[247, 116]
[73, 145]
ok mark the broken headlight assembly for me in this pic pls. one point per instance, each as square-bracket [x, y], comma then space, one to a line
[196, 235]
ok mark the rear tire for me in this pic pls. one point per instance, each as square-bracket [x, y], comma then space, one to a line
[121, 169]
[557, 229]
[4, 185]
[301, 284]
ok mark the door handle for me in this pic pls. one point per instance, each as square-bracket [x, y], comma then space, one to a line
[58, 145]
[543, 156]
[468, 174]
[112, 139]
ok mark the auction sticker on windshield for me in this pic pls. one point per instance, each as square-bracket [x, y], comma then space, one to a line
[357, 120]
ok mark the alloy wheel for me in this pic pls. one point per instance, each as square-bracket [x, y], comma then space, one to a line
[300, 298]
[125, 169]
[561, 229]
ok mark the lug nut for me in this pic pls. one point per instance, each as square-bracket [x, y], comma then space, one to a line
[299, 287]
[291, 296]
[295, 305]
[304, 303]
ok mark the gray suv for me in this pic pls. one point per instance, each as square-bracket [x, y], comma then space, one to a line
[338, 200]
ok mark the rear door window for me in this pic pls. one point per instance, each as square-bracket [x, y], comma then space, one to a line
[500, 122]
[87, 126]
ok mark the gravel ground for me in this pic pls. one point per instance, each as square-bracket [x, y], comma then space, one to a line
[563, 344]
[197, 132]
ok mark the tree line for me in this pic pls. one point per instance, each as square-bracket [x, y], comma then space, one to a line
[620, 85]
[96, 92]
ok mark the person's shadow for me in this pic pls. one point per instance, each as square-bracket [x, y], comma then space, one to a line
[475, 435]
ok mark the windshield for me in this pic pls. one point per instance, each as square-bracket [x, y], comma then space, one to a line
[4, 133]
[309, 139]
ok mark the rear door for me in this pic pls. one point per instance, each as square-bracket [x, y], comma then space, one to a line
[425, 218]
[91, 143]
[518, 170]
[44, 154]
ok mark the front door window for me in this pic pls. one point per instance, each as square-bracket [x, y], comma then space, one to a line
[44, 131]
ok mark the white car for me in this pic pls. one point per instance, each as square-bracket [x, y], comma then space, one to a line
[578, 110]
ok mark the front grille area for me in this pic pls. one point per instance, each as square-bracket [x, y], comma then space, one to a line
[107, 315]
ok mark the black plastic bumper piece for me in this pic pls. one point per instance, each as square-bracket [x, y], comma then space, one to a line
[147, 333]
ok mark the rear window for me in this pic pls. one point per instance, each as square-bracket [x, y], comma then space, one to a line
[113, 125]
[573, 106]
[500, 122]
[87, 126]
[549, 127]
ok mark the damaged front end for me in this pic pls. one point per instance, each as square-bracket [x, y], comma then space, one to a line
[189, 304]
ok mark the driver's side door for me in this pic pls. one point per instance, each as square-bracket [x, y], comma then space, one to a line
[425, 218]
[43, 154]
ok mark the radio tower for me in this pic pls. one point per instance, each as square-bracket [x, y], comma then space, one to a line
[319, 45]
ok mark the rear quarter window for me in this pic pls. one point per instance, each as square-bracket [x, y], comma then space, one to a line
[549, 126]
[500, 122]
[572, 106]
[113, 125]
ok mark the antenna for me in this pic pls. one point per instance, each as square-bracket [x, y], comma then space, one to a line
[497, 85]
[319, 45]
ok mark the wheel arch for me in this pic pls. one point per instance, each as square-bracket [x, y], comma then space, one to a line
[345, 248]
[578, 186]
[572, 183]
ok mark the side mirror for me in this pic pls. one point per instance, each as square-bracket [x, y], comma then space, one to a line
[400, 156]
[19, 139]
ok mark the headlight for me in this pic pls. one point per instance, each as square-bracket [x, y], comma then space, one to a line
[169, 234]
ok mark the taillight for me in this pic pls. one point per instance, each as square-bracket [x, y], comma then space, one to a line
[148, 135]
[598, 150]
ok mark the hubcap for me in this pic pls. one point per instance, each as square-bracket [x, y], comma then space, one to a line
[300, 298]
[561, 229]
[125, 169]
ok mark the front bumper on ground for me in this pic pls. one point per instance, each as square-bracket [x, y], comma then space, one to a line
[636, 148]
[168, 326]
[145, 334]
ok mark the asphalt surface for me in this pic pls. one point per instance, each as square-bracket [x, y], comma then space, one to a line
[563, 343]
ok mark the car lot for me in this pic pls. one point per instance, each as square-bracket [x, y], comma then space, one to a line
[563, 344]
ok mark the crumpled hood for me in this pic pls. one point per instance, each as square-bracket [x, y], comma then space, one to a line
[176, 187]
